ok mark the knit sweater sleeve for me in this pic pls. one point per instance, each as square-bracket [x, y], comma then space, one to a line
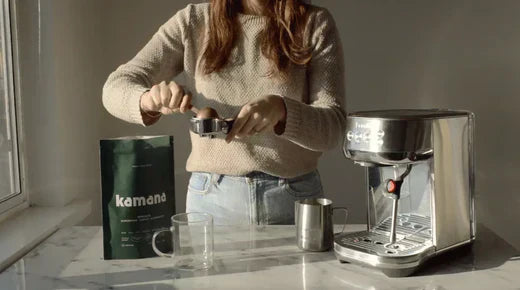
[319, 125]
[161, 59]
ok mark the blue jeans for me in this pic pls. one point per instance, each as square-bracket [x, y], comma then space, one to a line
[257, 198]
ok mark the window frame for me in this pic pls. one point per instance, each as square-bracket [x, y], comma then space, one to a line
[19, 200]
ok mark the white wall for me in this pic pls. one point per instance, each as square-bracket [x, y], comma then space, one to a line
[66, 53]
[60, 56]
[460, 54]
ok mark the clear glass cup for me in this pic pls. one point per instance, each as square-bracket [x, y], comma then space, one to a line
[192, 241]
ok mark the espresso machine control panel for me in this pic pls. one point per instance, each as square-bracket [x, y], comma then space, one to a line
[419, 173]
[366, 136]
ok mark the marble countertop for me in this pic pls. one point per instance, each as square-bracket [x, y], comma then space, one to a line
[253, 258]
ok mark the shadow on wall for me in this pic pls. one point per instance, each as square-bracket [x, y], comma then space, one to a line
[479, 63]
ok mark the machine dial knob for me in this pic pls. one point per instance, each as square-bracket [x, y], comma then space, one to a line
[350, 135]
[391, 186]
[357, 137]
[366, 137]
[379, 137]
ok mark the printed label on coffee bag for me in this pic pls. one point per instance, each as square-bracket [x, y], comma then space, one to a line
[140, 201]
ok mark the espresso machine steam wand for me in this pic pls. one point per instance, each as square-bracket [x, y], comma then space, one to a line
[393, 190]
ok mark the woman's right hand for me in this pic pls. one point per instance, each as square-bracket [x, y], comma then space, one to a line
[166, 98]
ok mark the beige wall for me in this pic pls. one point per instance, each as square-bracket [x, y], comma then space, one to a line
[460, 54]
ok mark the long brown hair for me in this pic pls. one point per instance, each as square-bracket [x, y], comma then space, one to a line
[282, 40]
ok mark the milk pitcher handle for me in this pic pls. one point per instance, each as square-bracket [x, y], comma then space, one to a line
[154, 246]
[346, 217]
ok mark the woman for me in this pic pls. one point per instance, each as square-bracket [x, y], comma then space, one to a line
[275, 66]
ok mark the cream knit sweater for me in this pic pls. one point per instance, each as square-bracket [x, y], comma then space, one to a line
[313, 95]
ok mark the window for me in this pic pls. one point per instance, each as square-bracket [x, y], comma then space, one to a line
[10, 192]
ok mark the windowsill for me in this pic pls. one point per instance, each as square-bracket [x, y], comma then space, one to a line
[26, 229]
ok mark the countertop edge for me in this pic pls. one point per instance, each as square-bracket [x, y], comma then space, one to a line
[20, 233]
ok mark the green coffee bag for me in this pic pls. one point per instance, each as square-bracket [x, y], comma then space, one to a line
[138, 194]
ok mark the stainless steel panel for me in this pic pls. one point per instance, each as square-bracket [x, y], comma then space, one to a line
[388, 136]
[471, 151]
[393, 136]
[410, 114]
[452, 198]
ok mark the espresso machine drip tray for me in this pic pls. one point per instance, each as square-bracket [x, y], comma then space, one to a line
[409, 226]
[372, 248]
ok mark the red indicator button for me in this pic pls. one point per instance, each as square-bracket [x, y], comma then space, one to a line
[390, 186]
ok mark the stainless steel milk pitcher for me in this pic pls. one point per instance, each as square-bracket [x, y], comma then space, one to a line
[314, 224]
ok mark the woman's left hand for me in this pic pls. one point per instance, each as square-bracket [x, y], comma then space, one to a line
[259, 116]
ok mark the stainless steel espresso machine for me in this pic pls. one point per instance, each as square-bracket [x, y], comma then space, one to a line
[420, 183]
